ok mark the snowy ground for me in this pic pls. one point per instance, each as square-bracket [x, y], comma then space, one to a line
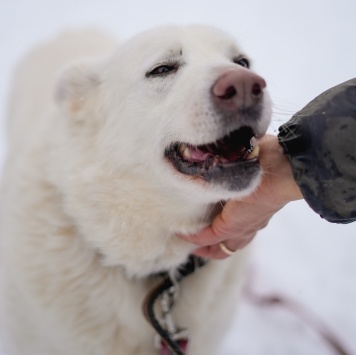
[301, 48]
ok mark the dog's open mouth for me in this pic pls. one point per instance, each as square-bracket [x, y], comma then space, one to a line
[231, 156]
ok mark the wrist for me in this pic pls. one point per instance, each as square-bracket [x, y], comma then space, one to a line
[278, 186]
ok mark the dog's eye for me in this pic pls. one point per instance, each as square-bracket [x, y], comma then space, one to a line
[162, 70]
[244, 62]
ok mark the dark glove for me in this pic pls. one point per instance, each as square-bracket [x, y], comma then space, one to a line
[320, 143]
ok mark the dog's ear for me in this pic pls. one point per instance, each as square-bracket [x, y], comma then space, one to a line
[77, 90]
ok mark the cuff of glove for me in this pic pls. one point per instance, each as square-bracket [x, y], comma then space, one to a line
[320, 143]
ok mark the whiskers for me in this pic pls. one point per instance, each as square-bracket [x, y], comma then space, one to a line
[280, 115]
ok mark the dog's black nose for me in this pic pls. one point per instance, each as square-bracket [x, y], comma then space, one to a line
[238, 89]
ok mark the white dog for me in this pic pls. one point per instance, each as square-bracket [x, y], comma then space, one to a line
[136, 148]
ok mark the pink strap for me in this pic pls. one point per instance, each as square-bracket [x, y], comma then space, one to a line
[183, 344]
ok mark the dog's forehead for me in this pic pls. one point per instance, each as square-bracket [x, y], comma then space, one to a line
[174, 41]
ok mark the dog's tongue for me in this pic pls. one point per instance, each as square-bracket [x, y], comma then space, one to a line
[195, 154]
[230, 148]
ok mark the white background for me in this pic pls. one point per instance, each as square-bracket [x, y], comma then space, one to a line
[301, 48]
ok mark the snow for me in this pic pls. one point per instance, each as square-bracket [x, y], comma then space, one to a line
[301, 48]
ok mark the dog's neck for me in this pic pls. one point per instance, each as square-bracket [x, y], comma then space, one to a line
[134, 228]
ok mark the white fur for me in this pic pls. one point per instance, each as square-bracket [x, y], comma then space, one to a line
[90, 207]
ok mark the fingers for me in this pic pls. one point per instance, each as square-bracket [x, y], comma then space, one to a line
[216, 252]
[212, 235]
[235, 226]
[207, 236]
[210, 238]
[211, 252]
[237, 221]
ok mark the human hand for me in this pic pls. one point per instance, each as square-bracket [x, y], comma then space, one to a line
[240, 220]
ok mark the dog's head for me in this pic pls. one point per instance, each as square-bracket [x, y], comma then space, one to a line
[176, 105]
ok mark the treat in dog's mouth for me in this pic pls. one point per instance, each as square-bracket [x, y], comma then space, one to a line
[234, 151]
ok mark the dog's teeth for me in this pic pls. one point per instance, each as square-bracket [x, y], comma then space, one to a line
[184, 151]
[253, 141]
[254, 153]
[182, 147]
